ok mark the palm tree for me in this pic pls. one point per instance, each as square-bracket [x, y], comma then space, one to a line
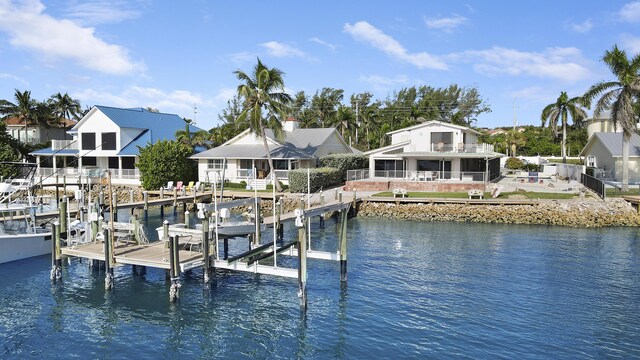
[65, 107]
[264, 103]
[345, 120]
[619, 97]
[561, 110]
[24, 108]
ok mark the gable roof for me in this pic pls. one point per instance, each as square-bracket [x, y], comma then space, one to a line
[297, 144]
[16, 121]
[612, 142]
[431, 122]
[139, 118]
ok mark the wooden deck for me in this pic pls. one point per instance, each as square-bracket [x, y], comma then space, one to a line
[155, 255]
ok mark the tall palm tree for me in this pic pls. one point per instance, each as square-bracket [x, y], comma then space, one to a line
[24, 109]
[65, 107]
[264, 103]
[619, 97]
[561, 110]
[345, 120]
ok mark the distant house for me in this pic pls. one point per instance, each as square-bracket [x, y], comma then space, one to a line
[34, 133]
[435, 150]
[603, 152]
[108, 138]
[300, 148]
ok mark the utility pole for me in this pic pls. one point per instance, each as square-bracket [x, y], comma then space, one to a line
[357, 122]
[195, 111]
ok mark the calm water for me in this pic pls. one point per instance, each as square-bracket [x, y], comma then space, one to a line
[415, 290]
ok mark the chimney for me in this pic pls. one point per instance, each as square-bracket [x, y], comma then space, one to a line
[291, 124]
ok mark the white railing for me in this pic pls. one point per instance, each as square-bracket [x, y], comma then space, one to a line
[64, 144]
[90, 172]
[125, 173]
[461, 148]
[244, 173]
[464, 176]
[360, 174]
[282, 174]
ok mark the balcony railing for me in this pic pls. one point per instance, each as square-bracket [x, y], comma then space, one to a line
[64, 145]
[464, 176]
[90, 172]
[461, 148]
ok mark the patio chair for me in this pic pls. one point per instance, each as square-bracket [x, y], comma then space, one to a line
[440, 146]
[169, 186]
[179, 186]
[198, 186]
[190, 186]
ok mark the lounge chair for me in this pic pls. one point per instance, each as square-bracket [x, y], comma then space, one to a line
[179, 186]
[198, 186]
[190, 186]
[169, 186]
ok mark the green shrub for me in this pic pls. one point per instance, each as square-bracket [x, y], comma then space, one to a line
[166, 161]
[241, 185]
[344, 162]
[514, 164]
[282, 186]
[320, 178]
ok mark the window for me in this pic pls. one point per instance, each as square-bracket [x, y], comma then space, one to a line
[88, 141]
[591, 161]
[128, 162]
[389, 168]
[89, 160]
[109, 141]
[280, 164]
[216, 164]
[113, 163]
[442, 137]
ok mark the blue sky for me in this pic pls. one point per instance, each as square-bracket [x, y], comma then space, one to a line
[171, 55]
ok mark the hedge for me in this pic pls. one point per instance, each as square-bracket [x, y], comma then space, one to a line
[321, 178]
[344, 162]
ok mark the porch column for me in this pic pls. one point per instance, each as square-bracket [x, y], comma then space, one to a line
[55, 166]
[120, 167]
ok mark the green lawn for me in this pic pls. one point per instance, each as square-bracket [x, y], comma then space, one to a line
[487, 195]
[610, 192]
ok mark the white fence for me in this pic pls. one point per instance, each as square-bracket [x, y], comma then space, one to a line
[465, 176]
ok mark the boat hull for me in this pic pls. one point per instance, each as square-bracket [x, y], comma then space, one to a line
[23, 246]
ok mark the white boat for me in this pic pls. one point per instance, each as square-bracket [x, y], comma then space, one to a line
[20, 238]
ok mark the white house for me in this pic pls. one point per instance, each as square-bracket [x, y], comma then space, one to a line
[603, 152]
[435, 150]
[107, 138]
[35, 133]
[300, 148]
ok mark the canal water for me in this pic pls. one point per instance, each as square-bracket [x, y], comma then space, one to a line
[415, 290]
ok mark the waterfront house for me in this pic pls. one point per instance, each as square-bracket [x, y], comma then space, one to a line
[107, 138]
[300, 148]
[603, 153]
[35, 133]
[428, 153]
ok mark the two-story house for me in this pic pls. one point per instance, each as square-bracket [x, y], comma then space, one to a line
[34, 133]
[107, 138]
[435, 151]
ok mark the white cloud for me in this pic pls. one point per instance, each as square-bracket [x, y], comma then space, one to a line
[30, 28]
[365, 32]
[101, 12]
[384, 81]
[278, 49]
[534, 93]
[583, 27]
[630, 43]
[13, 78]
[242, 57]
[445, 23]
[630, 12]
[566, 64]
[323, 43]
[180, 102]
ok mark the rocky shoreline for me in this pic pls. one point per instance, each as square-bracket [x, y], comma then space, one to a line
[573, 213]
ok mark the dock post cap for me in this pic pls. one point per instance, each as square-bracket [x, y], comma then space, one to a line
[166, 222]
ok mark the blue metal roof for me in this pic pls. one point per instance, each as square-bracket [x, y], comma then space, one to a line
[155, 126]
[139, 118]
[49, 151]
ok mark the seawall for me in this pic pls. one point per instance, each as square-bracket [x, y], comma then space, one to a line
[573, 213]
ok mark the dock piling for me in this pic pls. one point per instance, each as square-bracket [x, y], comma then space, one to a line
[302, 258]
[130, 195]
[256, 213]
[174, 264]
[206, 254]
[186, 218]
[343, 245]
[56, 262]
[114, 206]
[108, 260]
